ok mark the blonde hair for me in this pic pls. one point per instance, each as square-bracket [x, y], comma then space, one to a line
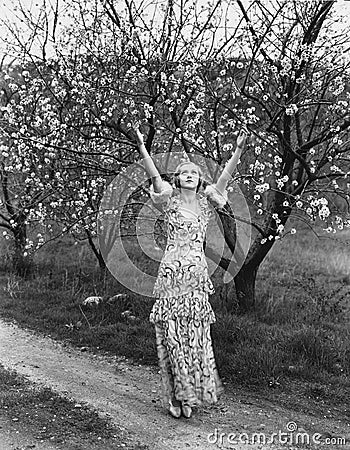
[183, 163]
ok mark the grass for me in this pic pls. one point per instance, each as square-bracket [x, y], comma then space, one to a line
[49, 417]
[299, 332]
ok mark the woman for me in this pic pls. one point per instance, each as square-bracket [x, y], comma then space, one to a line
[182, 313]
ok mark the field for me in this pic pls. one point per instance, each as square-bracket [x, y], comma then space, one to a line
[299, 334]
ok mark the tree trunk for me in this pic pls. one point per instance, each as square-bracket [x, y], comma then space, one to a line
[245, 288]
[101, 262]
[22, 264]
[228, 298]
[246, 277]
[97, 253]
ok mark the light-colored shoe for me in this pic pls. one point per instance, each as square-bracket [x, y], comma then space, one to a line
[186, 410]
[175, 411]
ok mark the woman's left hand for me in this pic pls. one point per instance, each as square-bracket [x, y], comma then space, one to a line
[242, 137]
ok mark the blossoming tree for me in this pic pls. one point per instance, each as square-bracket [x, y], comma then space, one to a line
[26, 168]
[48, 184]
[193, 73]
[282, 70]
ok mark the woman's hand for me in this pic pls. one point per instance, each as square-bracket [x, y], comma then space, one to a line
[148, 163]
[242, 137]
[231, 164]
[138, 134]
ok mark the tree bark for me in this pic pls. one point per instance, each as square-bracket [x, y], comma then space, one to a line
[97, 253]
[101, 263]
[22, 264]
[245, 288]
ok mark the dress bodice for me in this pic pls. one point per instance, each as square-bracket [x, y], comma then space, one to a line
[184, 232]
[183, 267]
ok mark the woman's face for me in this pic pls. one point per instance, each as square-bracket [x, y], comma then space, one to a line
[189, 176]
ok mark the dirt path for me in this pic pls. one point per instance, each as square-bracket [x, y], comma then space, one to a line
[130, 395]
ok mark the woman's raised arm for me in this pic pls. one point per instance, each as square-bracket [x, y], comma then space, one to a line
[148, 162]
[231, 164]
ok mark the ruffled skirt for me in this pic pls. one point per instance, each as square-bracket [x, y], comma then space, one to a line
[184, 346]
[192, 305]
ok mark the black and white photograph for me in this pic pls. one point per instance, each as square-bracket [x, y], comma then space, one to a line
[174, 224]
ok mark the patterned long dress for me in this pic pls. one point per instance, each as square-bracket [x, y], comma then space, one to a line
[182, 313]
